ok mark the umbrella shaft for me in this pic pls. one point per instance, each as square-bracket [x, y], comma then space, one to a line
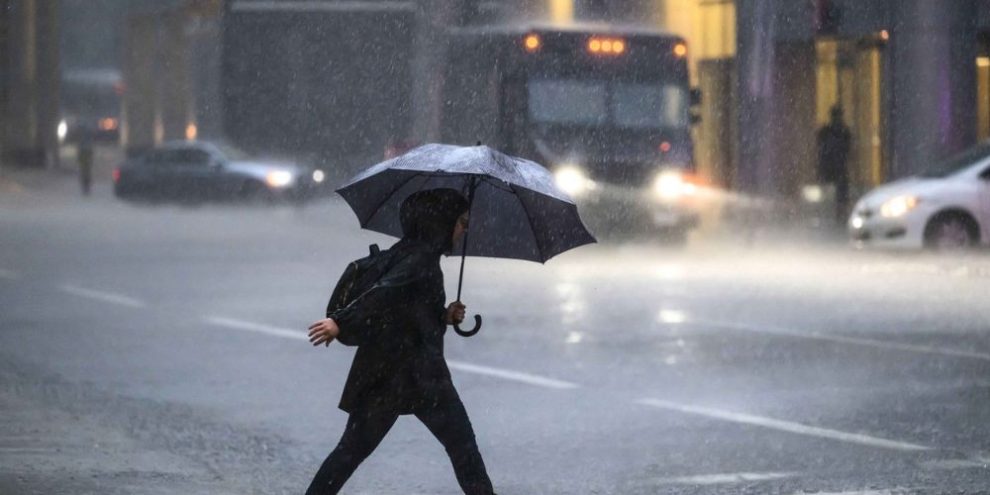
[460, 279]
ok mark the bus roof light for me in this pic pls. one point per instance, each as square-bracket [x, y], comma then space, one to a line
[606, 46]
[532, 42]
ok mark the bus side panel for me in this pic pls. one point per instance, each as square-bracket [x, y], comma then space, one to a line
[333, 83]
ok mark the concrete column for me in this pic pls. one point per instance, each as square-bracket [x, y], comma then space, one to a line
[775, 87]
[173, 79]
[32, 73]
[756, 63]
[434, 18]
[140, 75]
[933, 48]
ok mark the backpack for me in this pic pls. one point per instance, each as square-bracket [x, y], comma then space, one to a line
[358, 278]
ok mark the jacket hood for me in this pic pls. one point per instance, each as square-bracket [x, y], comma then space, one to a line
[429, 216]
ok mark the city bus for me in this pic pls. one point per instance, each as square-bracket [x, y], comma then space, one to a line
[607, 109]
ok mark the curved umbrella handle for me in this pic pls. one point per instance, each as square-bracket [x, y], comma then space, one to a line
[468, 333]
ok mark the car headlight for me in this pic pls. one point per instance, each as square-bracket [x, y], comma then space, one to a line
[278, 178]
[899, 206]
[318, 176]
[573, 180]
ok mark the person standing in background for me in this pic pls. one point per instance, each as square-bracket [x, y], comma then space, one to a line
[84, 155]
[834, 143]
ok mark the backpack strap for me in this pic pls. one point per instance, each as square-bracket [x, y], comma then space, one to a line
[391, 263]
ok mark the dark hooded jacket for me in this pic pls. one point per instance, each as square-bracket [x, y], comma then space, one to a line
[399, 325]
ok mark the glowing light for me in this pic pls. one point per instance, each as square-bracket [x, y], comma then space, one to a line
[983, 61]
[899, 206]
[573, 181]
[191, 131]
[562, 11]
[885, 35]
[278, 178]
[680, 50]
[669, 185]
[574, 338]
[532, 42]
[62, 130]
[319, 176]
[607, 46]
[671, 316]
[857, 222]
[665, 146]
[108, 124]
[812, 193]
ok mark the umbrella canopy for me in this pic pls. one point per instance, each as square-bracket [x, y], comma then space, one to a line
[517, 211]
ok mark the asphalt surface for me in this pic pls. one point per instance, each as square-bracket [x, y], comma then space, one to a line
[148, 350]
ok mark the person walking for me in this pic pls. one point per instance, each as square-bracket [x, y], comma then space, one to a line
[834, 142]
[399, 367]
[84, 155]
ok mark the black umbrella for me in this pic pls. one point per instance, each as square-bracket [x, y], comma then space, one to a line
[517, 211]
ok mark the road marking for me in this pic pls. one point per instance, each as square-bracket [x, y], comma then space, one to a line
[888, 491]
[319, 6]
[504, 374]
[287, 333]
[28, 450]
[8, 274]
[952, 464]
[98, 295]
[880, 344]
[722, 479]
[787, 426]
[516, 376]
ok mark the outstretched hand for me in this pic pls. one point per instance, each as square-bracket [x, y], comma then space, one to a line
[323, 331]
[455, 313]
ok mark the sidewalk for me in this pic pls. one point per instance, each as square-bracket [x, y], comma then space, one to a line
[27, 184]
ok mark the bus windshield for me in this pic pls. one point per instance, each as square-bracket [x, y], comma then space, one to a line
[598, 103]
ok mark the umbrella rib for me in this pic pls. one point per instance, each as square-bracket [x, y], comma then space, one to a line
[529, 219]
[497, 185]
[387, 196]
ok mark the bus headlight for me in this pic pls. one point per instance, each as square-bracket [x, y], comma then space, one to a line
[573, 180]
[671, 186]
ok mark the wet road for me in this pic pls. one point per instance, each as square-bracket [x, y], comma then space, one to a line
[162, 350]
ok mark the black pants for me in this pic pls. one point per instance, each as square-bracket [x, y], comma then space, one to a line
[448, 422]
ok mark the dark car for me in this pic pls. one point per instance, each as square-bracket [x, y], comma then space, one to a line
[201, 171]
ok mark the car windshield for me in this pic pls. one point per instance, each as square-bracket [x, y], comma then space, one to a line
[958, 162]
[232, 152]
[594, 103]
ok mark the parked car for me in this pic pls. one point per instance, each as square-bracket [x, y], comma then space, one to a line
[947, 207]
[197, 171]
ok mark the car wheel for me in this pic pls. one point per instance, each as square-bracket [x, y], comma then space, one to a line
[951, 232]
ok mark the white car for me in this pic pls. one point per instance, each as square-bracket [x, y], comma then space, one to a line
[947, 207]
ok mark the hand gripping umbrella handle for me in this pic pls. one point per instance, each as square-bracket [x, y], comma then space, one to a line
[468, 333]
